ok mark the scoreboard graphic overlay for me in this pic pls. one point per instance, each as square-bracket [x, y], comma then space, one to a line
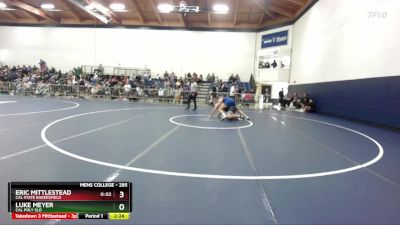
[69, 200]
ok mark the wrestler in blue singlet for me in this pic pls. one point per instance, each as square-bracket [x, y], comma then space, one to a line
[230, 103]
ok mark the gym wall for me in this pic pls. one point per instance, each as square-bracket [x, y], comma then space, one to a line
[345, 55]
[173, 50]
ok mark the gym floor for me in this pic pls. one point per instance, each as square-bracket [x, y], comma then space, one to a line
[279, 168]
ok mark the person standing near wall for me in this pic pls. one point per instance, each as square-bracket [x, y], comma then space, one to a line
[193, 94]
[281, 95]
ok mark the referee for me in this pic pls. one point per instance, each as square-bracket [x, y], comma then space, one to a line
[193, 94]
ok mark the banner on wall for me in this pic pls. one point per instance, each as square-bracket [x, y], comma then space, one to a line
[274, 39]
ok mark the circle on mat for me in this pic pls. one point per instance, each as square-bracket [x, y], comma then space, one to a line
[75, 105]
[204, 118]
[210, 176]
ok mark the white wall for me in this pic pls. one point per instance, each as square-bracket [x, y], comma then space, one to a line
[273, 75]
[339, 40]
[180, 51]
[277, 87]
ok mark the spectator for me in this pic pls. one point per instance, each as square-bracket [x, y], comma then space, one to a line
[213, 95]
[310, 106]
[166, 74]
[232, 92]
[221, 86]
[195, 77]
[32, 78]
[274, 64]
[208, 78]
[99, 70]
[305, 98]
[178, 95]
[297, 103]
[261, 65]
[174, 78]
[237, 78]
[43, 65]
[200, 80]
[231, 78]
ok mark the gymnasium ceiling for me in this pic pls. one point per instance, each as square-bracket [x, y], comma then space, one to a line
[242, 14]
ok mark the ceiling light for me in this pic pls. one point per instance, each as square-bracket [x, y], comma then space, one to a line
[97, 6]
[90, 6]
[3, 5]
[94, 9]
[220, 8]
[165, 8]
[117, 6]
[47, 6]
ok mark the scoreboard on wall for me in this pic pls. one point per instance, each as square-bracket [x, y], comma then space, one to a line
[69, 200]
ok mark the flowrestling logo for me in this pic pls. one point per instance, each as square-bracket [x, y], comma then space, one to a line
[274, 39]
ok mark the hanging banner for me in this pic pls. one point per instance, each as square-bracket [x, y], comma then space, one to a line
[275, 39]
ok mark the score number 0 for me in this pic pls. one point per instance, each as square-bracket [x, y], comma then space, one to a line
[121, 206]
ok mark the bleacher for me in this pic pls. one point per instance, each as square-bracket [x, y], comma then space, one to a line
[114, 71]
[245, 86]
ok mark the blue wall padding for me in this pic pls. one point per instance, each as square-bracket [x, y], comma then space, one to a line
[375, 100]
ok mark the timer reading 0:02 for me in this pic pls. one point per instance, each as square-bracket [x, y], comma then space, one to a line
[105, 194]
